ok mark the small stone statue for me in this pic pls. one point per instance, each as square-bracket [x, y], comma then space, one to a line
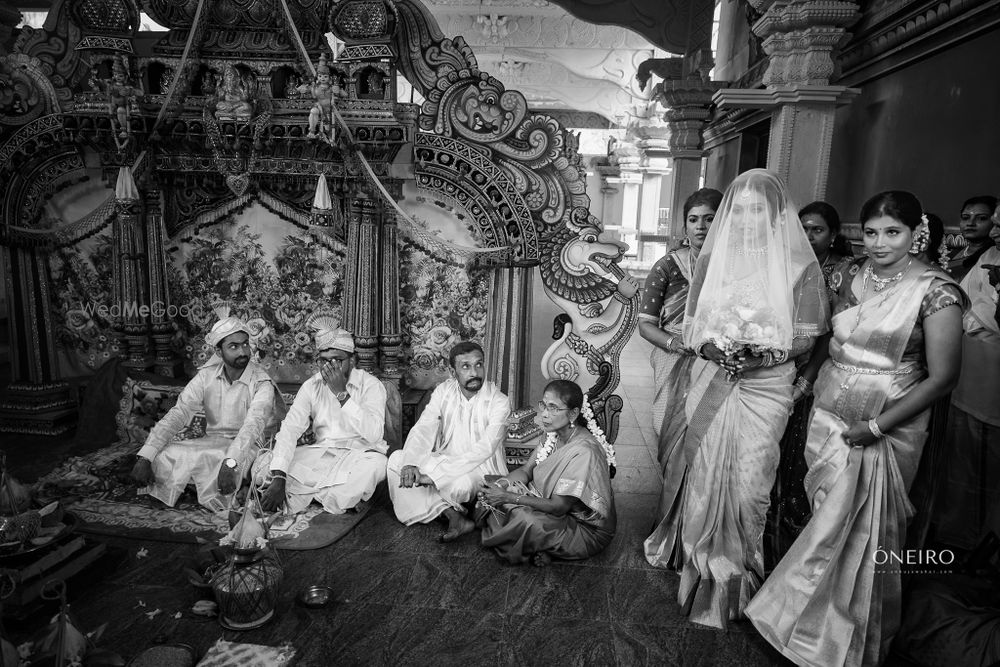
[121, 94]
[234, 97]
[208, 83]
[292, 87]
[324, 91]
[376, 87]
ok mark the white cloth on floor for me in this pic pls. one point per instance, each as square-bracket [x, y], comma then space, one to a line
[456, 442]
[236, 415]
[347, 461]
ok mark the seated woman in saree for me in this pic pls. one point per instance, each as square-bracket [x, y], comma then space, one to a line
[834, 599]
[559, 504]
[661, 309]
[757, 300]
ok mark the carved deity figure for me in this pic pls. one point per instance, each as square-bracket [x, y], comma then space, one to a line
[325, 91]
[208, 83]
[121, 93]
[234, 96]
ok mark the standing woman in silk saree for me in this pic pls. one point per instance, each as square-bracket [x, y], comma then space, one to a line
[661, 309]
[757, 300]
[835, 598]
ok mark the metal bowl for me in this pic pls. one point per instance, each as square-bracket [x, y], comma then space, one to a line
[316, 597]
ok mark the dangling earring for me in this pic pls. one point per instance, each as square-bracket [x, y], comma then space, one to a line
[685, 242]
[921, 237]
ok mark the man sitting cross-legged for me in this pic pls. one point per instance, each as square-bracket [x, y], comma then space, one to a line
[457, 440]
[346, 407]
[240, 402]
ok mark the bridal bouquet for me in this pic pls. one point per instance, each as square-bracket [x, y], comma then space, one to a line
[739, 330]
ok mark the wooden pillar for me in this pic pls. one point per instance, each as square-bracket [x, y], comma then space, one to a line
[37, 400]
[508, 348]
[162, 311]
[390, 333]
[361, 297]
[131, 293]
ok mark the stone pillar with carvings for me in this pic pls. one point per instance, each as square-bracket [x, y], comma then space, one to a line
[390, 333]
[800, 38]
[165, 361]
[688, 103]
[131, 295]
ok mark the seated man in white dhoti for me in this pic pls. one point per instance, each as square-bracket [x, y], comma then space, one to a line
[455, 443]
[346, 408]
[239, 401]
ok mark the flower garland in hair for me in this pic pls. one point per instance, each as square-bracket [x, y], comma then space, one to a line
[922, 236]
[588, 413]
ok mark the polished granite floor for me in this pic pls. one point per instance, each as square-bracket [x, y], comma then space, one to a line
[404, 599]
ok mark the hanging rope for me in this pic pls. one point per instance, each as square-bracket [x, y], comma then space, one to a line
[415, 230]
[196, 27]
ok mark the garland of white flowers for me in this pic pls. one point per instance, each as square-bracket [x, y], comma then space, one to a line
[588, 413]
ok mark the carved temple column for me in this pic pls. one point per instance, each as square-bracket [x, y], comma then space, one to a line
[161, 328]
[36, 400]
[390, 332]
[800, 38]
[508, 348]
[130, 286]
[688, 103]
[361, 279]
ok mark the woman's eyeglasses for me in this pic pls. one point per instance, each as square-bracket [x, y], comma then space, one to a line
[551, 409]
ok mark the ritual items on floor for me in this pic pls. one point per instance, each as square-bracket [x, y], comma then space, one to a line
[62, 641]
[247, 586]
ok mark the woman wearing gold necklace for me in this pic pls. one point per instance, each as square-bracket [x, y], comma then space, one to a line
[559, 504]
[661, 311]
[757, 300]
[834, 599]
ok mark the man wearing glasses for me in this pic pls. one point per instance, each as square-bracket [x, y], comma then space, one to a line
[346, 408]
[457, 441]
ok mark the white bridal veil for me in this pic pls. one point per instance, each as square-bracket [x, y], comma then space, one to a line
[757, 282]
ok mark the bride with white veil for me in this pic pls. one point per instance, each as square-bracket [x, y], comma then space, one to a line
[757, 300]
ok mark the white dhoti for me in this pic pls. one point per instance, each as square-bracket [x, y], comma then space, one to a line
[422, 504]
[338, 479]
[184, 462]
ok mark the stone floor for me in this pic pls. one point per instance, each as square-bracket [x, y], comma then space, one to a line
[404, 599]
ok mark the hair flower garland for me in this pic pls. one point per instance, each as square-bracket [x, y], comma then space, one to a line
[921, 236]
[588, 413]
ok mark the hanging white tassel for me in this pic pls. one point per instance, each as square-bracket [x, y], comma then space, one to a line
[322, 202]
[125, 188]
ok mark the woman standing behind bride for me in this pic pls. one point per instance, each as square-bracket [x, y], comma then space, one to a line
[757, 300]
[895, 349]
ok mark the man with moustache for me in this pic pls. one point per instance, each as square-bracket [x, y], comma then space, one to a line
[346, 408]
[240, 402]
[457, 441]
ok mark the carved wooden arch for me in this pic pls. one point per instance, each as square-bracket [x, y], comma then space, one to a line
[471, 112]
[463, 174]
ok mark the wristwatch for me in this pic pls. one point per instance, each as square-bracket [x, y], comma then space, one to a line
[229, 463]
[342, 396]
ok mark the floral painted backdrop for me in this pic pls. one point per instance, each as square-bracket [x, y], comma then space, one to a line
[275, 275]
[267, 270]
[82, 282]
[440, 305]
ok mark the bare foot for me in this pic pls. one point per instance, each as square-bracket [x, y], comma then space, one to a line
[541, 559]
[457, 526]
